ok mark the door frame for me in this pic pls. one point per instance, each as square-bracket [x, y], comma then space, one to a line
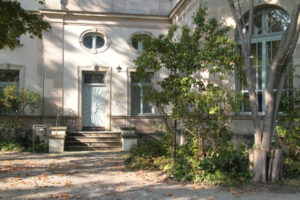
[101, 69]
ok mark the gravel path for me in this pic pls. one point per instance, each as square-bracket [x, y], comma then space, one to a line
[104, 176]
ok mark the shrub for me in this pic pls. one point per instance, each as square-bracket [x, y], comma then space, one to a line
[146, 156]
[230, 166]
[11, 145]
[291, 168]
[13, 102]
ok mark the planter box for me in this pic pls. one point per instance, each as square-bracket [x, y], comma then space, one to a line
[59, 130]
[129, 137]
[57, 139]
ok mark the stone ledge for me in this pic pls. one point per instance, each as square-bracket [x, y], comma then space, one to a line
[58, 136]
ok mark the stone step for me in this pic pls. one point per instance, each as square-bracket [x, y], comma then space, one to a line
[103, 141]
[93, 139]
[99, 149]
[93, 144]
[95, 133]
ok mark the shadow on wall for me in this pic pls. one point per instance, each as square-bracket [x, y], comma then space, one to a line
[158, 7]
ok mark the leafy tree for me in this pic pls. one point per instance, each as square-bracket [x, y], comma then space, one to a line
[14, 100]
[13, 103]
[201, 106]
[15, 21]
[263, 131]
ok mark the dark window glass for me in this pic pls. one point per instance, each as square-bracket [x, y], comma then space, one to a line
[136, 41]
[93, 41]
[277, 20]
[268, 20]
[146, 78]
[93, 78]
[136, 100]
[99, 42]
[88, 41]
[139, 89]
[9, 75]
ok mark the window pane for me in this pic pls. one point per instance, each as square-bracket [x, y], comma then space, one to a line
[147, 108]
[275, 48]
[253, 54]
[242, 80]
[135, 100]
[88, 41]
[259, 54]
[147, 78]
[9, 75]
[134, 43]
[99, 42]
[277, 20]
[272, 48]
[137, 44]
[257, 24]
[94, 78]
[259, 99]
[259, 71]
[246, 103]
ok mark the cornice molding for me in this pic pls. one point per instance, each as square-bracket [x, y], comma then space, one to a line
[62, 13]
[179, 6]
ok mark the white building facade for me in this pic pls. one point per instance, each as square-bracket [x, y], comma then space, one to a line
[83, 67]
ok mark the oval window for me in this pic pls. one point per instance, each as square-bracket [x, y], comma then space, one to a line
[136, 39]
[93, 41]
[137, 44]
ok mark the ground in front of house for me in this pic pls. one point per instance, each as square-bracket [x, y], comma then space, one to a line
[104, 176]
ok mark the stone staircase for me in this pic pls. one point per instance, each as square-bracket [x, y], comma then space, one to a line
[103, 141]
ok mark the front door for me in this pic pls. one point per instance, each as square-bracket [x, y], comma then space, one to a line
[93, 101]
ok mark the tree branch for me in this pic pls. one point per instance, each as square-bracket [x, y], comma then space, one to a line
[283, 75]
[239, 26]
[246, 49]
[250, 31]
[281, 55]
[284, 46]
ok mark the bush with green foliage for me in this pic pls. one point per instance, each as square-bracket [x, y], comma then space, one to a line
[13, 103]
[287, 134]
[14, 100]
[230, 166]
[11, 145]
[201, 108]
[288, 125]
[146, 155]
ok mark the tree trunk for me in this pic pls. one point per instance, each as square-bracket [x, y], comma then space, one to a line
[275, 165]
[259, 165]
[174, 140]
[266, 169]
[251, 159]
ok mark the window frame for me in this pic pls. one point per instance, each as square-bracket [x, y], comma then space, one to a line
[137, 51]
[95, 32]
[19, 68]
[263, 39]
[130, 84]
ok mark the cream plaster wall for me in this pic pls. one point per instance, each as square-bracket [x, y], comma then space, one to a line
[145, 7]
[28, 56]
[63, 54]
[62, 59]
